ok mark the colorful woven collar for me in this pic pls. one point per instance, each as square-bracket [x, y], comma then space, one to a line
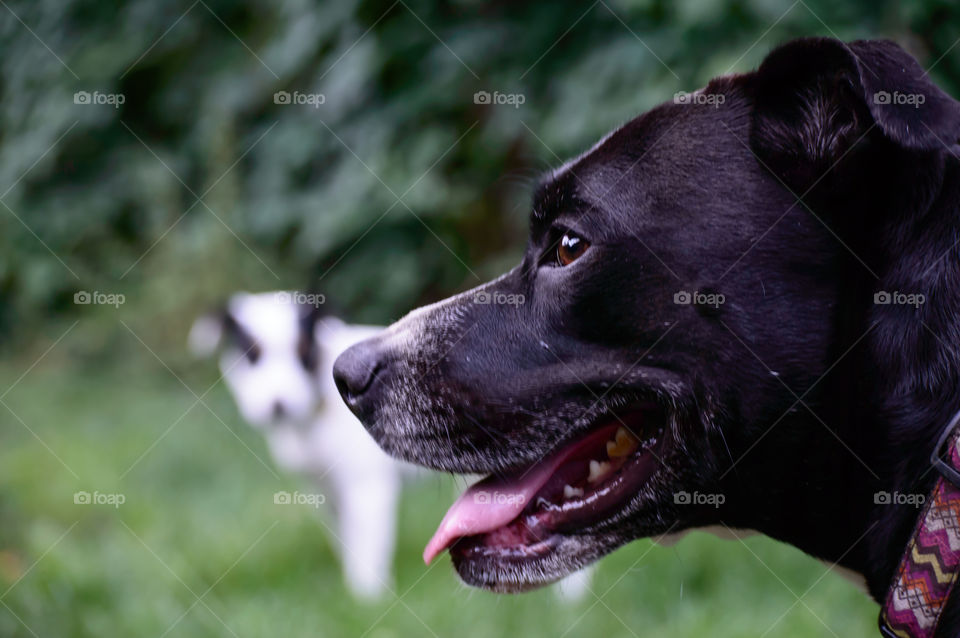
[931, 563]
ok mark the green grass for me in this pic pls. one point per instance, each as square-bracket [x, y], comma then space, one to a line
[199, 520]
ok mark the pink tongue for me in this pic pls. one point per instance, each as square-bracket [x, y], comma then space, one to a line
[489, 504]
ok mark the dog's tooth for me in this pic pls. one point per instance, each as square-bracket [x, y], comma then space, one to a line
[572, 492]
[624, 443]
[597, 471]
[624, 435]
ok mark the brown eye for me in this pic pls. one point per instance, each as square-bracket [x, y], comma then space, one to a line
[571, 248]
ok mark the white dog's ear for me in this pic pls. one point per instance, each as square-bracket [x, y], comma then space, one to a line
[206, 335]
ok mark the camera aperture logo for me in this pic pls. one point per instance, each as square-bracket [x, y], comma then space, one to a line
[497, 298]
[299, 298]
[299, 498]
[498, 99]
[899, 498]
[697, 298]
[899, 99]
[484, 497]
[97, 298]
[897, 298]
[99, 498]
[311, 99]
[98, 98]
[700, 98]
[699, 498]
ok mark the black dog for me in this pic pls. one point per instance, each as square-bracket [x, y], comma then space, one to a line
[740, 308]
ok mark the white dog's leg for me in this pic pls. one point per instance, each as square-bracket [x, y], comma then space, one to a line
[575, 586]
[367, 531]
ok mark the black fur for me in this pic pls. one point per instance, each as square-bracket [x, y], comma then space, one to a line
[799, 398]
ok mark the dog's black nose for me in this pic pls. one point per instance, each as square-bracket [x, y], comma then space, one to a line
[355, 372]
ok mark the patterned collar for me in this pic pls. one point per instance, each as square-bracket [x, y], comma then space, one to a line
[930, 565]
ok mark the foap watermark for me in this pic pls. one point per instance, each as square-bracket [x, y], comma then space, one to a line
[299, 298]
[897, 298]
[699, 97]
[96, 97]
[910, 99]
[310, 99]
[497, 298]
[899, 498]
[99, 498]
[698, 298]
[699, 498]
[484, 497]
[497, 98]
[299, 498]
[97, 298]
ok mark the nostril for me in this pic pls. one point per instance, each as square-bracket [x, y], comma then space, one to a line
[371, 377]
[355, 370]
[279, 412]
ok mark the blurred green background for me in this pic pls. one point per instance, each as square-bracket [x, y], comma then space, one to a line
[396, 190]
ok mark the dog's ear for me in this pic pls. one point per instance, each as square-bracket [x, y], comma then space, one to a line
[206, 334]
[818, 99]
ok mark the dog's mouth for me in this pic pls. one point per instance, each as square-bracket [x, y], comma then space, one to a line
[523, 516]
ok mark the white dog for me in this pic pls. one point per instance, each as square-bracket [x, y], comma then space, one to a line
[277, 353]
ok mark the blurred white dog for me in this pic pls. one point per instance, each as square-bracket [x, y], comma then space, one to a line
[277, 353]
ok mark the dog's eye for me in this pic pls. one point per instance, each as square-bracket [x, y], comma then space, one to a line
[570, 248]
[252, 353]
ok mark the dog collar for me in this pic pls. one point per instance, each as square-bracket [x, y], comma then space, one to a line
[930, 565]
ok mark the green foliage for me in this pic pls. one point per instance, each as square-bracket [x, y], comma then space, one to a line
[104, 198]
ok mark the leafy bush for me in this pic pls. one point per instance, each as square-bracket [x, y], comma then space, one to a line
[396, 190]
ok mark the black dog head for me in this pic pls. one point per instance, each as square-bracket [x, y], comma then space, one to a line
[675, 348]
